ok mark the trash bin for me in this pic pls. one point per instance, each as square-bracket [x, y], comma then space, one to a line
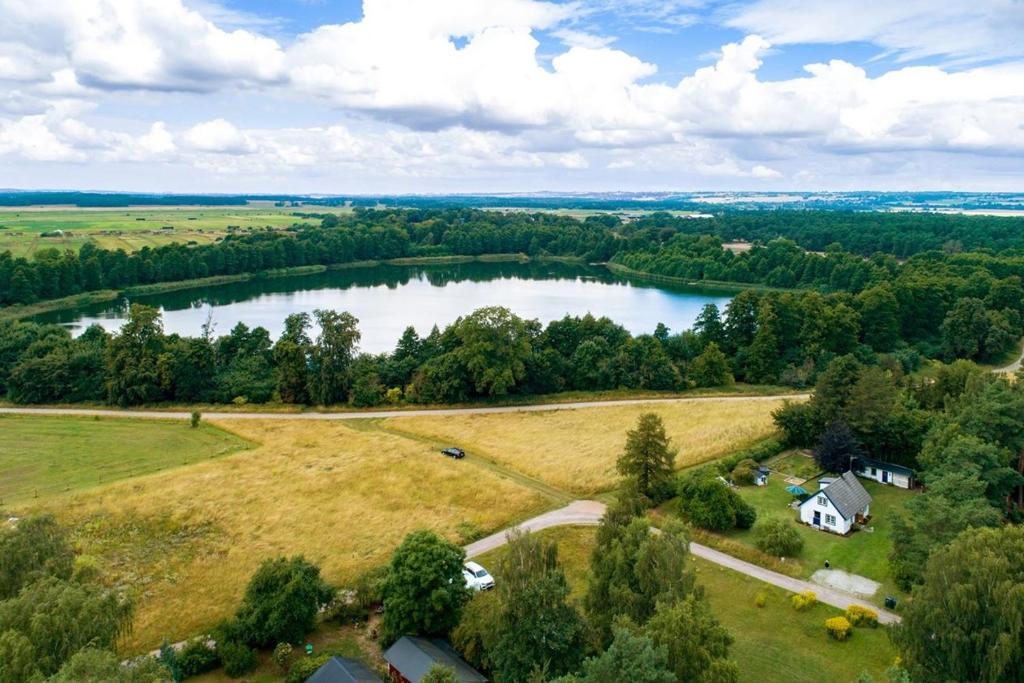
[890, 602]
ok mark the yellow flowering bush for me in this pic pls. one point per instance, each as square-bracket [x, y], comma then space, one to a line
[805, 600]
[838, 628]
[858, 615]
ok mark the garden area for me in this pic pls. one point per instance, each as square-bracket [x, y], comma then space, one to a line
[863, 552]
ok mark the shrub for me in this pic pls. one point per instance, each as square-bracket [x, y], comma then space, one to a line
[777, 537]
[238, 658]
[708, 503]
[761, 600]
[282, 652]
[304, 668]
[804, 601]
[746, 515]
[195, 418]
[858, 615]
[197, 657]
[369, 587]
[744, 472]
[838, 628]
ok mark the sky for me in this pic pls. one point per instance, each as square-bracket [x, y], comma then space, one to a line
[461, 96]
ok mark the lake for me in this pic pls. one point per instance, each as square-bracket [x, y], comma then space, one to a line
[387, 298]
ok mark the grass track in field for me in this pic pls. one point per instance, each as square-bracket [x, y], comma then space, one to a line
[187, 541]
[41, 457]
[773, 644]
[576, 450]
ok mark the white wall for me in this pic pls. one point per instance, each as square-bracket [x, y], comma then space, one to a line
[811, 505]
[899, 480]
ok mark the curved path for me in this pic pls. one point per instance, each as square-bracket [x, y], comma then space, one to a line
[1012, 367]
[378, 414]
[589, 513]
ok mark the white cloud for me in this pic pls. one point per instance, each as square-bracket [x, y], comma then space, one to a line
[963, 29]
[149, 44]
[217, 136]
[456, 88]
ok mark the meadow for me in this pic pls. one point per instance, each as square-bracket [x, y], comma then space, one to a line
[133, 228]
[576, 450]
[772, 643]
[185, 541]
[42, 457]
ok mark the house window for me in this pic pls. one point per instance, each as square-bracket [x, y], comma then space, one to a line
[874, 472]
[830, 520]
[821, 501]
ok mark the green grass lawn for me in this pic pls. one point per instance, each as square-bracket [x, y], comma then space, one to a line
[865, 553]
[794, 464]
[41, 457]
[772, 643]
[777, 643]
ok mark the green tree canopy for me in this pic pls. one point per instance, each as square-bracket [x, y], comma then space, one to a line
[59, 618]
[102, 666]
[35, 547]
[632, 656]
[631, 569]
[966, 621]
[697, 645]
[648, 458]
[424, 592]
[281, 602]
[538, 630]
[331, 357]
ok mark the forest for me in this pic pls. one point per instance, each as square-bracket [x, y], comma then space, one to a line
[809, 309]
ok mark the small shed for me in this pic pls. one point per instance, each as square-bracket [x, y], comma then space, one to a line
[837, 505]
[410, 658]
[343, 670]
[885, 472]
[761, 476]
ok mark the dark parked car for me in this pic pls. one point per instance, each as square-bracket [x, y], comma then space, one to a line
[453, 452]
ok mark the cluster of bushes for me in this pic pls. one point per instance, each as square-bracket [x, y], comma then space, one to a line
[280, 605]
[841, 628]
[708, 502]
[804, 601]
[858, 615]
[778, 537]
[56, 621]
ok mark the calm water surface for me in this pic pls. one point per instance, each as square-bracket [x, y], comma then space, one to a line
[386, 299]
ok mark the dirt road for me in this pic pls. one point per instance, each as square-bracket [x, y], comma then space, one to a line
[378, 414]
[589, 512]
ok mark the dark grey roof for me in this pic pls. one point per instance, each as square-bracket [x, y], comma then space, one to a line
[343, 670]
[848, 495]
[866, 462]
[414, 656]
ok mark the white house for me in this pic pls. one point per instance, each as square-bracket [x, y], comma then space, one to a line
[885, 472]
[837, 504]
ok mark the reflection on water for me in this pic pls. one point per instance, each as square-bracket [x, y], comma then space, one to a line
[387, 298]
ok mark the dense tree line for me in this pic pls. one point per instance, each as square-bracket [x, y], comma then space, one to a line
[900, 233]
[763, 337]
[363, 235]
[827, 251]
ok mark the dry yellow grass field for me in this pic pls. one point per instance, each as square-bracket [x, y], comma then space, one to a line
[576, 450]
[185, 542]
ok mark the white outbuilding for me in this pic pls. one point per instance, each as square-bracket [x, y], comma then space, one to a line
[885, 472]
[837, 505]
